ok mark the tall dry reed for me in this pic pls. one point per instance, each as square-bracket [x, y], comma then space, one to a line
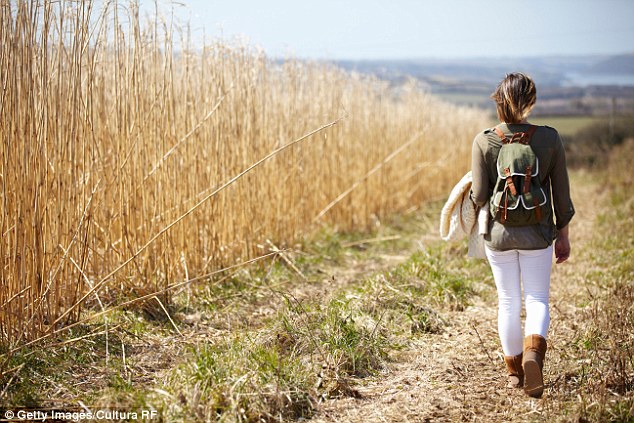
[116, 135]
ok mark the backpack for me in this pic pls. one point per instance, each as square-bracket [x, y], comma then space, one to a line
[517, 197]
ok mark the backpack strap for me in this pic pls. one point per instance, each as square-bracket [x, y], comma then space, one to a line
[527, 179]
[521, 137]
[500, 134]
[525, 137]
[509, 187]
[509, 181]
[538, 209]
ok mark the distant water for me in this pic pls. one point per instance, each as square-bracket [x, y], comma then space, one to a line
[578, 79]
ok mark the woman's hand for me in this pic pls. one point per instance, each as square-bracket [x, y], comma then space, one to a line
[562, 245]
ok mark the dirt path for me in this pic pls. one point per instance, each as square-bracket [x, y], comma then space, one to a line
[458, 375]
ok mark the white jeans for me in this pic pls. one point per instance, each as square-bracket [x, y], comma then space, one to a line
[533, 268]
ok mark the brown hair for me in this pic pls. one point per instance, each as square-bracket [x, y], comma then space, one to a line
[514, 97]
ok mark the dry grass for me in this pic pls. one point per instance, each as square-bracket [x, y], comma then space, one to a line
[458, 374]
[128, 157]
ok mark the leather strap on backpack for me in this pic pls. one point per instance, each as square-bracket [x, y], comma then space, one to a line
[521, 137]
[538, 209]
[500, 134]
[527, 179]
[509, 181]
[510, 187]
[529, 133]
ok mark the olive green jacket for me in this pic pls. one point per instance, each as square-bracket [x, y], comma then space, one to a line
[553, 175]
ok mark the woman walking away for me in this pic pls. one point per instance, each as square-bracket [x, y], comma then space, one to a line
[519, 169]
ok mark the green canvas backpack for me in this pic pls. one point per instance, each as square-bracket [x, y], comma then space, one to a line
[518, 197]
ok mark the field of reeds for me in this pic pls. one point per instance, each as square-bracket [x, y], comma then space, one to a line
[134, 162]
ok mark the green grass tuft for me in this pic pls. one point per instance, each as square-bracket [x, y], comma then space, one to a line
[245, 379]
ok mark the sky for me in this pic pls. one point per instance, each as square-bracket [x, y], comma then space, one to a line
[405, 29]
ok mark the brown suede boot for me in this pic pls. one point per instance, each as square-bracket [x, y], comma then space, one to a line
[533, 363]
[515, 370]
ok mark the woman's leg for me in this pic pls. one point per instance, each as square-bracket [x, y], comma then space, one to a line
[506, 273]
[536, 266]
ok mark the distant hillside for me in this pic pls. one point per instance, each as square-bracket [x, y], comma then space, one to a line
[623, 64]
[548, 71]
[566, 85]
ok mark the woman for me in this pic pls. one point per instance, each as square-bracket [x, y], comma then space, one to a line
[523, 254]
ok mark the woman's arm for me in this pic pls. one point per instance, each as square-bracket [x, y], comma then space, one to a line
[480, 178]
[562, 203]
[562, 245]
